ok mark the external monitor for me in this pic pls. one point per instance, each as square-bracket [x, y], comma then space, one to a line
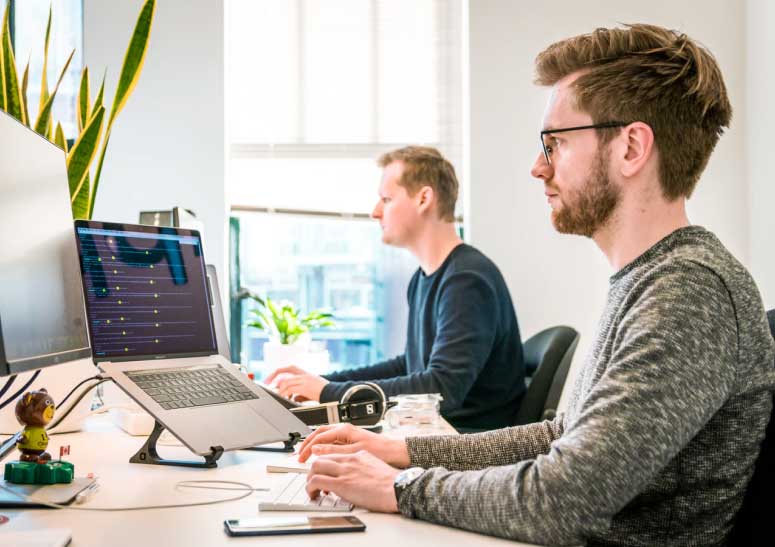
[42, 319]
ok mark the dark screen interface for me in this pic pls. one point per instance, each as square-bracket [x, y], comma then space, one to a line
[146, 293]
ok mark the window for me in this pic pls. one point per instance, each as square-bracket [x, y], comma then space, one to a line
[29, 32]
[316, 91]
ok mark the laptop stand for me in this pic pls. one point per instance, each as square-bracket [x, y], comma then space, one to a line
[288, 445]
[150, 456]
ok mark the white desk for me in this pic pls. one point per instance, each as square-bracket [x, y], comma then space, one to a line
[104, 450]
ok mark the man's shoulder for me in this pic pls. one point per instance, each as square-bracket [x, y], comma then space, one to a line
[467, 258]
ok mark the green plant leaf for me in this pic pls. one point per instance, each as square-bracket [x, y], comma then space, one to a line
[59, 138]
[133, 59]
[25, 79]
[81, 156]
[99, 99]
[130, 74]
[43, 123]
[11, 89]
[44, 78]
[82, 103]
[80, 202]
[2, 58]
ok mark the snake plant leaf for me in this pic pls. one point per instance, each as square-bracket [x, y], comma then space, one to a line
[2, 62]
[134, 59]
[11, 90]
[25, 79]
[130, 74]
[59, 137]
[98, 101]
[81, 156]
[43, 122]
[80, 201]
[82, 104]
[44, 78]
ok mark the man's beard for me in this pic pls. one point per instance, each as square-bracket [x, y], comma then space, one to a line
[584, 211]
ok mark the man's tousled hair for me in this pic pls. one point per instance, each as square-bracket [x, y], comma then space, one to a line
[425, 166]
[654, 75]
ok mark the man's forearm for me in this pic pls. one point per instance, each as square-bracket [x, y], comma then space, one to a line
[480, 450]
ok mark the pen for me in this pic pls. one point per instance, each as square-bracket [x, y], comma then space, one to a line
[87, 493]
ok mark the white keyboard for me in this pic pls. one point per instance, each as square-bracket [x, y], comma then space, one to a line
[293, 497]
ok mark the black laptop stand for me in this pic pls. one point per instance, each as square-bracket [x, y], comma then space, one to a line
[150, 456]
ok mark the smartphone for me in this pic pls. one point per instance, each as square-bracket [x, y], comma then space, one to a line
[275, 526]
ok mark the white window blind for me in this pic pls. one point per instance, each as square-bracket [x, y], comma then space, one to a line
[316, 90]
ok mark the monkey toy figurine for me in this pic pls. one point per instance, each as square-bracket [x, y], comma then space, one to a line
[34, 410]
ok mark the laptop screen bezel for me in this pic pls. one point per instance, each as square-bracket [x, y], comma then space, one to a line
[122, 227]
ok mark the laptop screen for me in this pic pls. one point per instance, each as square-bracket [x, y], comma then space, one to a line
[146, 291]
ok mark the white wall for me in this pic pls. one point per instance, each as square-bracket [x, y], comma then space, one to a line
[556, 279]
[760, 89]
[167, 146]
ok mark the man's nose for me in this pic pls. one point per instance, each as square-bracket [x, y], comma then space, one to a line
[377, 211]
[541, 168]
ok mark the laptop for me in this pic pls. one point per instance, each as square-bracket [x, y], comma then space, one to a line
[152, 332]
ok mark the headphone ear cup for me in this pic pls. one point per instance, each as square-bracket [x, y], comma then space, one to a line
[366, 403]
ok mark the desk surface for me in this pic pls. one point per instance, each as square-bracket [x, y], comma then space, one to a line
[104, 450]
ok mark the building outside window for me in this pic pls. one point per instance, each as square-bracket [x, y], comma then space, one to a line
[315, 92]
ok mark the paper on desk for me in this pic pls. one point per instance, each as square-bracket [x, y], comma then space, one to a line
[52, 537]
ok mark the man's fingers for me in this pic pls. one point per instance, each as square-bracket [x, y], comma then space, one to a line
[290, 369]
[318, 483]
[334, 449]
[304, 451]
[329, 467]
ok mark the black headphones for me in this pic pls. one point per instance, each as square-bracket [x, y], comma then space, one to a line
[363, 404]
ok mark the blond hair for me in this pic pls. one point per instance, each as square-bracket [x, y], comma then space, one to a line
[425, 166]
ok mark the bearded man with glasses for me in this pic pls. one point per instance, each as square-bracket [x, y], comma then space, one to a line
[667, 414]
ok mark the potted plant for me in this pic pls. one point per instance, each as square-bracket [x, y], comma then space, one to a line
[94, 121]
[288, 330]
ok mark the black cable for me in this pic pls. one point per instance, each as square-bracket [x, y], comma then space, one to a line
[13, 397]
[7, 385]
[79, 384]
[78, 400]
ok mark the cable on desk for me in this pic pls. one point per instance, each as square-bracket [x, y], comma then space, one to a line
[15, 395]
[7, 385]
[98, 380]
[248, 490]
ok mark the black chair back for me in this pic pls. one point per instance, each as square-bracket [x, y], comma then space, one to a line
[548, 356]
[753, 524]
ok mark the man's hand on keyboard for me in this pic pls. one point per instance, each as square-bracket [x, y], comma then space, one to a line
[348, 439]
[360, 478]
[293, 381]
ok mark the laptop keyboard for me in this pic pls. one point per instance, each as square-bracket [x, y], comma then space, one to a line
[293, 497]
[191, 387]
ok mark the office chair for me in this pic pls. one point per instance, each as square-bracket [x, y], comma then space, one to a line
[548, 355]
[753, 523]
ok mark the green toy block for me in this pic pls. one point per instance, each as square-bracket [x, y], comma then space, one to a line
[54, 472]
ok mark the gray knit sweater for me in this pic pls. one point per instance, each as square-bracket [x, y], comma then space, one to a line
[662, 429]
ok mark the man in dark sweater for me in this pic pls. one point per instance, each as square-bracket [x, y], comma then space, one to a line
[462, 338]
[667, 414]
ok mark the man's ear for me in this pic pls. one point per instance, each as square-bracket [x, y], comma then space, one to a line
[637, 148]
[424, 198]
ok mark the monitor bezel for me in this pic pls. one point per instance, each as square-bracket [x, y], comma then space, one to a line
[144, 228]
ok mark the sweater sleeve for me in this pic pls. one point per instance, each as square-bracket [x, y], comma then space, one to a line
[465, 334]
[386, 369]
[672, 367]
[480, 450]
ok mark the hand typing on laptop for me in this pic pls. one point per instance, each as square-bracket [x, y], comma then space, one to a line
[294, 382]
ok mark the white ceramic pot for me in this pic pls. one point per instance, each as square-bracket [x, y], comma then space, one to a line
[280, 355]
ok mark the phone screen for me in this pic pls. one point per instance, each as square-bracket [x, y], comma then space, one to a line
[260, 526]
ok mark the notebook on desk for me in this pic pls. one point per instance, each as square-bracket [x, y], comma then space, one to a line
[151, 328]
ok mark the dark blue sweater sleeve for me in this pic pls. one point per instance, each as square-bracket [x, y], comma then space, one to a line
[386, 369]
[465, 335]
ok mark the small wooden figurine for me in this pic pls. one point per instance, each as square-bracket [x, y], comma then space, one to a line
[34, 410]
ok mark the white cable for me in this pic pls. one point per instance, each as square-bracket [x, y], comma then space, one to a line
[248, 490]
